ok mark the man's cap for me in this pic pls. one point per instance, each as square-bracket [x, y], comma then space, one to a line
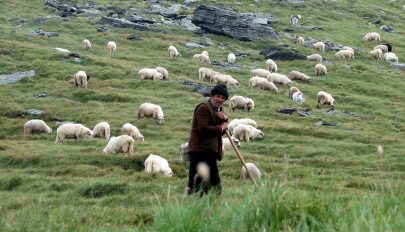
[220, 89]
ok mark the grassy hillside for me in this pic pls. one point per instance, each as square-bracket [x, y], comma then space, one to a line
[314, 178]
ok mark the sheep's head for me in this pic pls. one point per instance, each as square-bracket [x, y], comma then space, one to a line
[160, 120]
[166, 172]
[236, 141]
[49, 130]
[141, 138]
[87, 132]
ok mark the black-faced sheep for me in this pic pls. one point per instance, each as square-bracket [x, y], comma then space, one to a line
[120, 144]
[102, 130]
[133, 131]
[157, 164]
[36, 126]
[241, 102]
[72, 131]
[150, 110]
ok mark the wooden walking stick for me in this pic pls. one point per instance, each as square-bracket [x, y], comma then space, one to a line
[240, 156]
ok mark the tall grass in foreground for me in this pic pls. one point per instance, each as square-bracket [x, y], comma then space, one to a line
[275, 208]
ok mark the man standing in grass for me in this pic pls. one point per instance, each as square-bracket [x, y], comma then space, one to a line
[205, 143]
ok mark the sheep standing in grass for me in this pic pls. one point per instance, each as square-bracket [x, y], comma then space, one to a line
[205, 53]
[345, 54]
[227, 146]
[383, 47]
[391, 57]
[294, 19]
[220, 78]
[150, 110]
[300, 40]
[72, 131]
[325, 98]
[131, 130]
[202, 58]
[242, 103]
[149, 73]
[298, 98]
[295, 75]
[320, 70]
[36, 126]
[157, 164]
[315, 57]
[253, 171]
[231, 58]
[102, 130]
[280, 79]
[293, 90]
[247, 132]
[263, 84]
[86, 44]
[164, 72]
[173, 53]
[206, 74]
[236, 121]
[377, 53]
[259, 72]
[347, 48]
[112, 47]
[372, 36]
[320, 46]
[81, 79]
[120, 144]
[271, 65]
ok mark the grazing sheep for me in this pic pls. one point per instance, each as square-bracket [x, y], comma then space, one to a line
[315, 57]
[112, 47]
[347, 48]
[377, 53]
[280, 79]
[320, 70]
[206, 74]
[227, 146]
[294, 19]
[231, 58]
[205, 53]
[298, 98]
[149, 73]
[293, 90]
[320, 46]
[271, 65]
[63, 50]
[150, 110]
[242, 103]
[86, 44]
[391, 57]
[263, 84]
[295, 75]
[164, 72]
[173, 53]
[372, 36]
[36, 126]
[157, 164]
[380, 149]
[236, 121]
[300, 40]
[131, 130]
[253, 171]
[72, 130]
[102, 130]
[344, 54]
[325, 98]
[120, 144]
[81, 79]
[383, 47]
[220, 78]
[201, 58]
[247, 133]
[261, 72]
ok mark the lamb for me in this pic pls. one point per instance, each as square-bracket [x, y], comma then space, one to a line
[81, 79]
[263, 84]
[201, 58]
[245, 121]
[300, 40]
[320, 46]
[247, 133]
[231, 58]
[120, 144]
[112, 47]
[271, 65]
[294, 19]
[151, 110]
[293, 90]
[220, 78]
[36, 126]
[391, 57]
[72, 130]
[164, 72]
[345, 54]
[102, 130]
[131, 130]
[242, 103]
[206, 74]
[383, 47]
[150, 73]
[227, 146]
[157, 164]
[372, 36]
[173, 53]
[315, 57]
[253, 171]
[261, 72]
[325, 98]
[377, 53]
[86, 44]
[298, 98]
[320, 70]
[295, 75]
[279, 78]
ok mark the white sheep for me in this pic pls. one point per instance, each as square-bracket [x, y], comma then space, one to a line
[102, 130]
[202, 58]
[383, 47]
[81, 79]
[157, 164]
[245, 121]
[377, 53]
[120, 144]
[294, 19]
[112, 47]
[261, 72]
[220, 78]
[280, 79]
[164, 72]
[347, 48]
[72, 130]
[149, 73]
[253, 171]
[173, 53]
[150, 110]
[231, 58]
[320, 70]
[325, 98]
[206, 74]
[36, 126]
[295, 75]
[298, 98]
[242, 103]
[263, 84]
[320, 46]
[315, 57]
[391, 57]
[300, 40]
[205, 53]
[293, 90]
[227, 146]
[372, 36]
[344, 54]
[133, 131]
[247, 132]
[271, 65]
[86, 44]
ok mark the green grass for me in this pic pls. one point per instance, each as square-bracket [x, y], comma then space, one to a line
[315, 178]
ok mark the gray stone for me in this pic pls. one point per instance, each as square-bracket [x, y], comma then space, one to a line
[200, 88]
[226, 65]
[43, 94]
[194, 45]
[398, 66]
[12, 78]
[387, 28]
[322, 123]
[133, 37]
[188, 25]
[45, 33]
[123, 23]
[102, 29]
[34, 112]
[279, 53]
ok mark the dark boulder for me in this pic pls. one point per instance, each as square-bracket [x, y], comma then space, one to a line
[278, 53]
[123, 23]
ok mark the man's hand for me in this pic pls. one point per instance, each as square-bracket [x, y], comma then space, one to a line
[224, 126]
[222, 116]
